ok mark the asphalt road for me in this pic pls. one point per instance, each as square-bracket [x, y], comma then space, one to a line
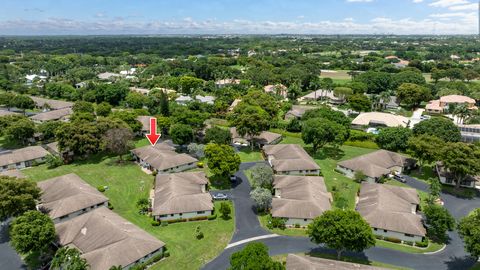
[453, 257]
[9, 259]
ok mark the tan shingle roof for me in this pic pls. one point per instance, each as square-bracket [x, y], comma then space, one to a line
[375, 164]
[145, 120]
[390, 120]
[105, 239]
[298, 110]
[54, 104]
[67, 194]
[266, 137]
[22, 154]
[181, 193]
[296, 262]
[4, 113]
[52, 115]
[457, 99]
[300, 197]
[290, 157]
[162, 156]
[390, 208]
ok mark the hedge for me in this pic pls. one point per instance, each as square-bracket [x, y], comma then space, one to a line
[392, 239]
[410, 243]
[422, 244]
[212, 217]
[176, 220]
[379, 237]
[198, 218]
[101, 188]
[155, 223]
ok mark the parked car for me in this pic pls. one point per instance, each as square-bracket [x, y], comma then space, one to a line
[233, 178]
[219, 196]
[400, 178]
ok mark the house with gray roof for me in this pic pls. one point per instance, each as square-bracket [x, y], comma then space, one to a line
[181, 196]
[297, 262]
[391, 211]
[68, 196]
[50, 104]
[205, 99]
[183, 100]
[290, 159]
[22, 158]
[264, 138]
[60, 114]
[105, 239]
[375, 165]
[163, 158]
[299, 199]
[297, 111]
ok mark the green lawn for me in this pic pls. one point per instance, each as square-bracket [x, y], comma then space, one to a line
[288, 231]
[126, 184]
[247, 155]
[283, 257]
[432, 247]
[476, 266]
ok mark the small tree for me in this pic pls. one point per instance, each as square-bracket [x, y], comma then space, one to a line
[439, 221]
[341, 230]
[104, 109]
[218, 135]
[118, 141]
[319, 132]
[23, 102]
[359, 176]
[262, 198]
[197, 150]
[254, 256]
[21, 131]
[32, 231]
[143, 204]
[468, 228]
[198, 233]
[262, 175]
[221, 159]
[17, 196]
[181, 134]
[67, 258]
[225, 210]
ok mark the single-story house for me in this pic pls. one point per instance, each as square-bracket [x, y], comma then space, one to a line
[264, 138]
[13, 173]
[108, 76]
[470, 133]
[51, 104]
[226, 82]
[105, 239]
[163, 158]
[60, 114]
[234, 104]
[375, 165]
[322, 94]
[290, 159]
[80, 85]
[22, 158]
[379, 119]
[297, 262]
[181, 196]
[299, 199]
[442, 104]
[205, 99]
[143, 91]
[391, 211]
[297, 111]
[68, 196]
[183, 100]
[278, 89]
[447, 178]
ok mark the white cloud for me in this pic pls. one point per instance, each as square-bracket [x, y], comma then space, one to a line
[448, 3]
[359, 1]
[417, 1]
[464, 7]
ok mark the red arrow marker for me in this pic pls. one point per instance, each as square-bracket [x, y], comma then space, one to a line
[153, 136]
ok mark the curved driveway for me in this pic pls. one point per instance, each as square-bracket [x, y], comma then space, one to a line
[247, 226]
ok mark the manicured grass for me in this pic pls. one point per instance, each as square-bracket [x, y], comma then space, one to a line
[363, 144]
[288, 231]
[126, 184]
[247, 155]
[283, 258]
[476, 266]
[432, 247]
[428, 171]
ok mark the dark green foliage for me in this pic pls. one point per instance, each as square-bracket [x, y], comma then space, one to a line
[67, 258]
[83, 107]
[443, 128]
[376, 82]
[221, 159]
[48, 129]
[20, 131]
[181, 134]
[17, 196]
[438, 221]
[468, 228]
[329, 114]
[225, 210]
[254, 256]
[319, 132]
[394, 139]
[218, 135]
[103, 109]
[359, 103]
[32, 231]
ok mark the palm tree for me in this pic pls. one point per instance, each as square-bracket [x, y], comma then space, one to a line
[462, 112]
[375, 101]
[385, 98]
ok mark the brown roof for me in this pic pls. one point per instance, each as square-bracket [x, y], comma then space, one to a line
[390, 208]
[105, 239]
[67, 194]
[266, 137]
[296, 262]
[162, 156]
[181, 193]
[375, 164]
[52, 103]
[13, 173]
[145, 120]
[52, 115]
[300, 197]
[289, 157]
[387, 119]
[22, 154]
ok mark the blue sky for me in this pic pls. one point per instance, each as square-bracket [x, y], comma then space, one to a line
[40, 17]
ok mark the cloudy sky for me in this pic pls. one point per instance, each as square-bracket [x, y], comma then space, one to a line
[58, 17]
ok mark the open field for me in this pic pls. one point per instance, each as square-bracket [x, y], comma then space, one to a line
[126, 184]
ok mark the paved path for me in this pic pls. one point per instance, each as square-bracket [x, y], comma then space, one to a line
[453, 257]
[9, 259]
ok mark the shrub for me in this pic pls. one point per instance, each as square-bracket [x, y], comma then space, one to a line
[422, 244]
[392, 239]
[197, 218]
[110, 206]
[212, 217]
[101, 188]
[198, 233]
[410, 243]
[53, 161]
[155, 223]
[297, 225]
[164, 224]
[200, 164]
[379, 237]
[176, 220]
[275, 222]
[166, 253]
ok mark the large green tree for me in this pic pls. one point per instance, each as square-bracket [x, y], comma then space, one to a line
[254, 256]
[319, 132]
[443, 128]
[438, 221]
[341, 230]
[461, 160]
[359, 103]
[118, 141]
[67, 258]
[32, 231]
[221, 159]
[469, 229]
[181, 134]
[425, 148]
[20, 131]
[413, 94]
[218, 135]
[262, 176]
[393, 139]
[83, 138]
[22, 102]
[17, 196]
[249, 120]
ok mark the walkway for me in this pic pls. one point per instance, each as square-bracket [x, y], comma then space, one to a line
[452, 257]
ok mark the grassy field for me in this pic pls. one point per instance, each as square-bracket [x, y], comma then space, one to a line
[126, 184]
[432, 247]
[247, 155]
[282, 258]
